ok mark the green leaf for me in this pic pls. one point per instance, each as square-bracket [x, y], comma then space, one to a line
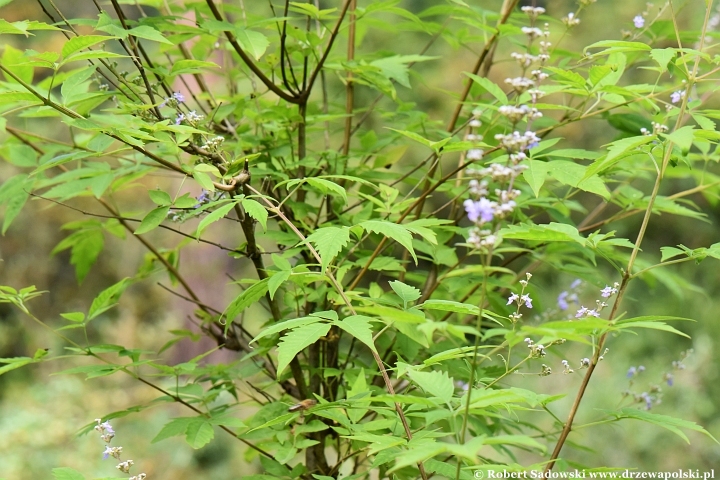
[280, 262]
[204, 180]
[256, 211]
[286, 325]
[535, 175]
[329, 241]
[297, 340]
[191, 66]
[395, 67]
[615, 150]
[490, 87]
[663, 56]
[276, 280]
[406, 293]
[359, 327]
[391, 230]
[327, 187]
[85, 251]
[420, 227]
[175, 427]
[152, 220]
[13, 60]
[252, 42]
[614, 46]
[74, 316]
[159, 197]
[14, 363]
[92, 371]
[390, 314]
[199, 433]
[450, 306]
[14, 206]
[517, 440]
[108, 298]
[251, 295]
[149, 33]
[76, 44]
[682, 137]
[67, 473]
[437, 384]
[574, 174]
[552, 232]
[670, 252]
[664, 421]
[653, 326]
[213, 217]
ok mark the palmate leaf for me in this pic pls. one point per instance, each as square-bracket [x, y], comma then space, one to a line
[13, 363]
[329, 241]
[295, 341]
[406, 293]
[256, 211]
[359, 327]
[76, 44]
[437, 384]
[152, 220]
[450, 306]
[664, 421]
[286, 325]
[251, 295]
[198, 431]
[213, 217]
[391, 230]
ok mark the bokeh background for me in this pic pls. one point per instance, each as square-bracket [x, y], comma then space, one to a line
[40, 413]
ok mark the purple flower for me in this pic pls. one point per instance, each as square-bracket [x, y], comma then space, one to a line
[107, 427]
[175, 98]
[513, 298]
[639, 21]
[581, 313]
[631, 372]
[532, 139]
[669, 379]
[483, 209]
[608, 291]
[204, 197]
[179, 118]
[107, 452]
[575, 284]
[562, 302]
[676, 96]
[592, 313]
[528, 301]
[648, 400]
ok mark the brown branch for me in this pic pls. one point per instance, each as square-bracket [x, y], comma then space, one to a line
[349, 86]
[249, 62]
[308, 87]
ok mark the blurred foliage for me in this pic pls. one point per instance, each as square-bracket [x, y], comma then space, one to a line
[40, 413]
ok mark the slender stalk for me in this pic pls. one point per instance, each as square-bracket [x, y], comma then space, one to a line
[349, 85]
[628, 275]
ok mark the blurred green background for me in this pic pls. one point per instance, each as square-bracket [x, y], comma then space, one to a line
[40, 414]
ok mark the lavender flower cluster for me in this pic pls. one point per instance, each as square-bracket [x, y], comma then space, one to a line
[107, 433]
[653, 395]
[486, 209]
